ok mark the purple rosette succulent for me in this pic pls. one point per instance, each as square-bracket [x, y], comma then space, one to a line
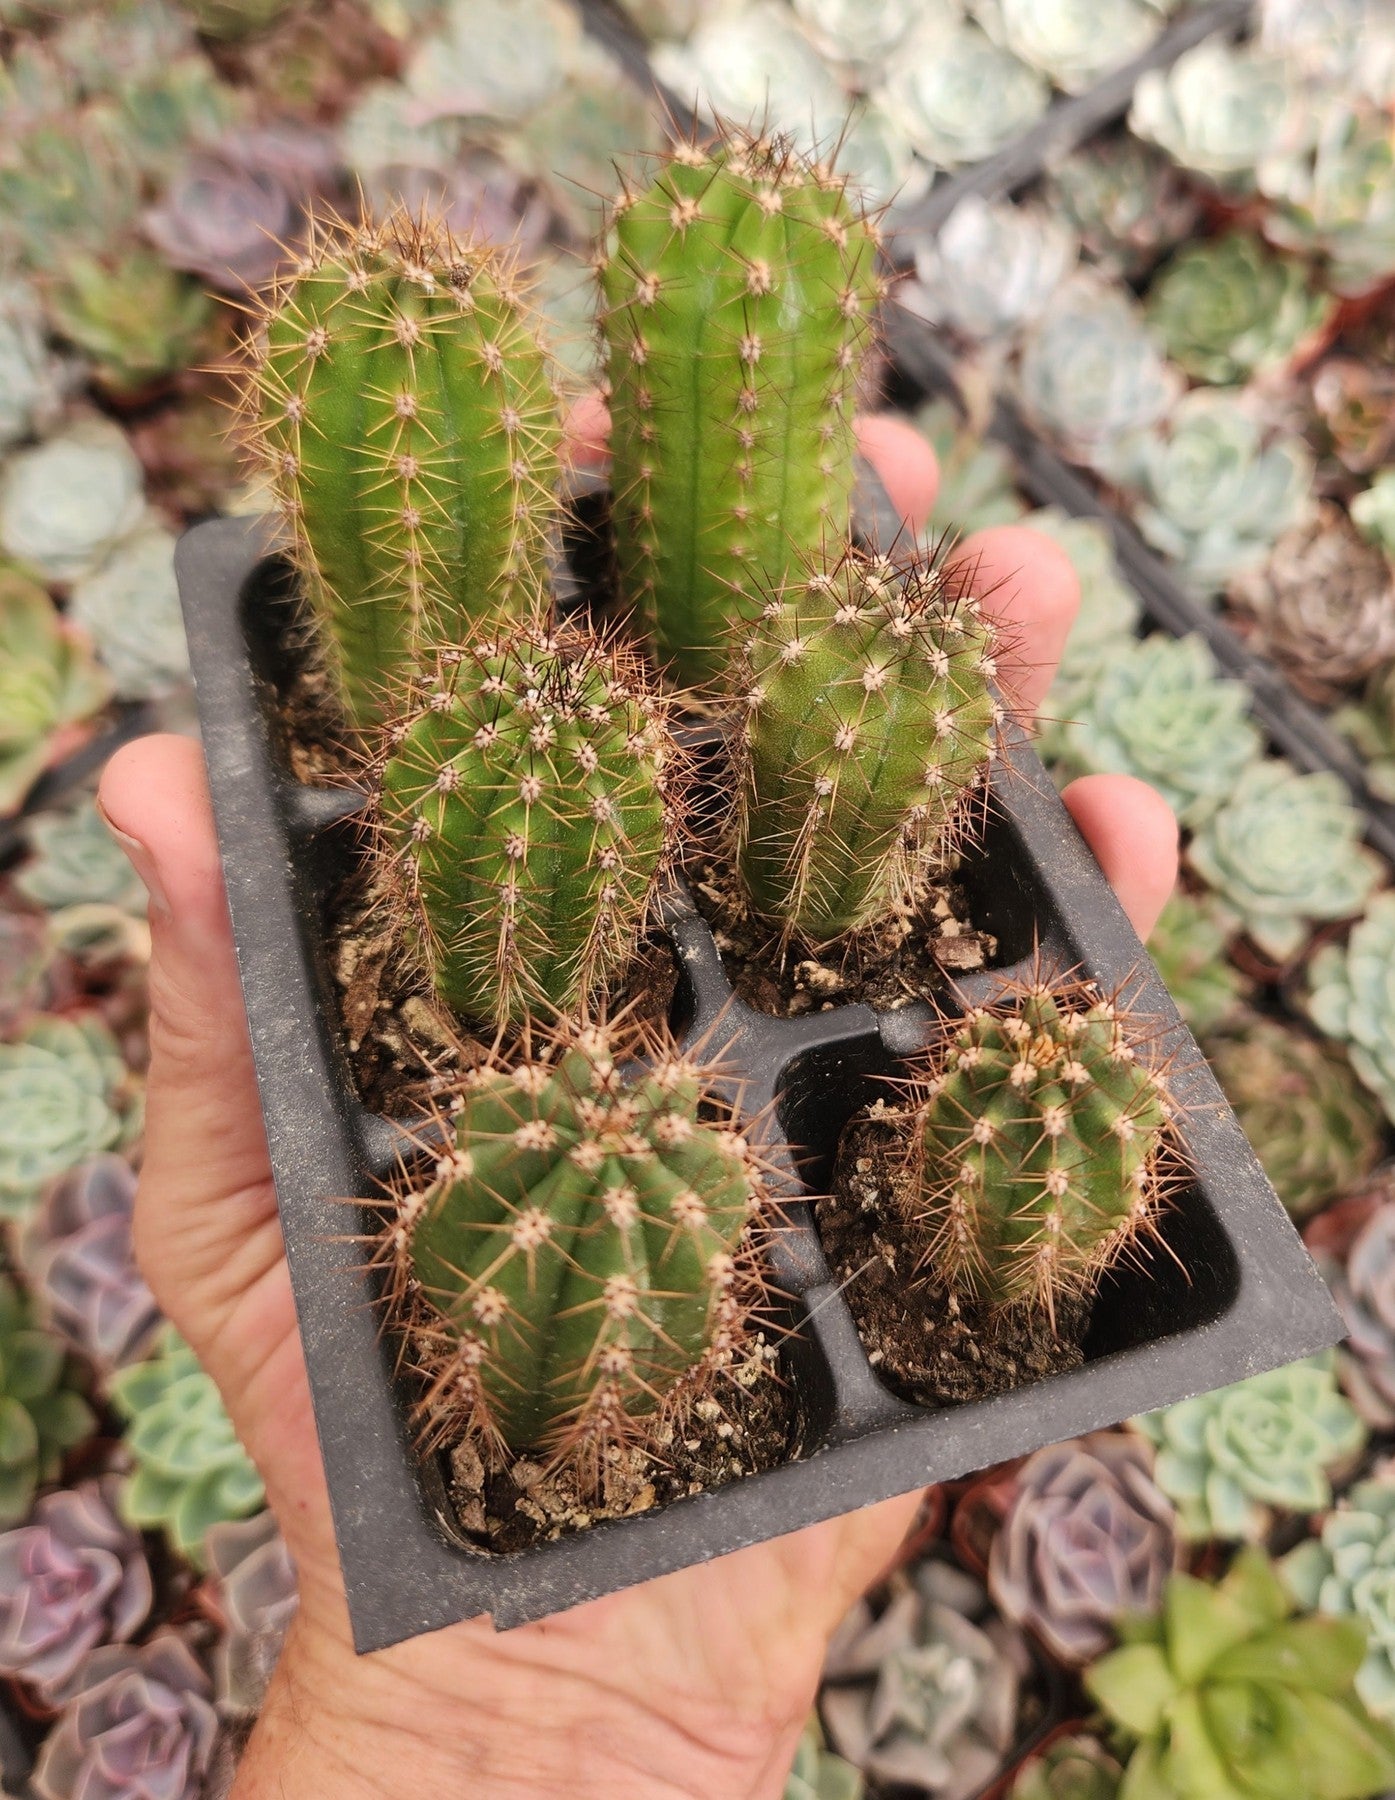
[75, 1577]
[1089, 1539]
[140, 1726]
[79, 1253]
[258, 1594]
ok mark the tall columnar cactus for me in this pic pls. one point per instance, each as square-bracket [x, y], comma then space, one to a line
[580, 1251]
[404, 411]
[739, 288]
[869, 719]
[525, 802]
[1043, 1138]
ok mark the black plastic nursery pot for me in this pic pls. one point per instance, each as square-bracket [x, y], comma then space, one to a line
[1240, 1294]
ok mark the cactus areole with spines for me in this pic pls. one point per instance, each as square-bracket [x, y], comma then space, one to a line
[523, 803]
[739, 289]
[580, 1252]
[870, 717]
[405, 414]
[1043, 1140]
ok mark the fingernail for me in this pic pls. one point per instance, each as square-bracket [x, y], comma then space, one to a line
[141, 861]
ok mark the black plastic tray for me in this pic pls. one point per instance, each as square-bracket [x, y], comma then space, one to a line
[1249, 1298]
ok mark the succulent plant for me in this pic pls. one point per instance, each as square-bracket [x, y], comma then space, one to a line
[135, 319]
[1227, 1460]
[1348, 1571]
[1354, 399]
[1218, 111]
[78, 1251]
[1373, 514]
[1349, 998]
[1125, 202]
[991, 268]
[869, 720]
[190, 1470]
[1213, 494]
[497, 60]
[1073, 42]
[1074, 1767]
[523, 808]
[234, 19]
[1223, 1692]
[1369, 724]
[726, 484]
[1091, 372]
[1335, 194]
[66, 502]
[476, 194]
[576, 1263]
[1109, 608]
[820, 1775]
[978, 484]
[1087, 1539]
[1229, 308]
[1188, 946]
[72, 1578]
[1361, 1277]
[67, 184]
[257, 1596]
[925, 1692]
[74, 859]
[41, 1412]
[1315, 1130]
[31, 377]
[936, 89]
[140, 1722]
[851, 33]
[64, 1095]
[405, 416]
[1041, 1144]
[49, 685]
[1342, 43]
[129, 607]
[1284, 852]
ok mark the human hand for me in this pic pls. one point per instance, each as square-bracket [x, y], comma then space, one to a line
[694, 1685]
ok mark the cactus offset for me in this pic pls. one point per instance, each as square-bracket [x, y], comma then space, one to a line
[1044, 1145]
[524, 800]
[869, 720]
[582, 1252]
[739, 293]
[405, 414]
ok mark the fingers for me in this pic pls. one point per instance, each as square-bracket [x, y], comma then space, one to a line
[1132, 831]
[1030, 586]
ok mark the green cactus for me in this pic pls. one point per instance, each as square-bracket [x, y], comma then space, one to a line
[40, 1415]
[739, 291]
[404, 412]
[1042, 1139]
[581, 1252]
[869, 719]
[524, 802]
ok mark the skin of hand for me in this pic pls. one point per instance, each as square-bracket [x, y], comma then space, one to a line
[694, 1687]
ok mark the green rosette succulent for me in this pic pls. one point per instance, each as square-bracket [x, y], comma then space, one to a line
[31, 377]
[137, 319]
[64, 1095]
[1284, 852]
[937, 88]
[1230, 308]
[1229, 1459]
[1073, 42]
[1125, 201]
[1158, 710]
[1217, 111]
[1368, 725]
[1336, 195]
[190, 1470]
[820, 1775]
[1352, 998]
[1314, 1129]
[1348, 1571]
[1225, 1695]
[66, 502]
[48, 681]
[1073, 1768]
[41, 1415]
[1188, 946]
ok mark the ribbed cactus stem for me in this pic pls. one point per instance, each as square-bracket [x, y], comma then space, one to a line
[739, 289]
[870, 718]
[1044, 1143]
[405, 414]
[581, 1251]
[523, 803]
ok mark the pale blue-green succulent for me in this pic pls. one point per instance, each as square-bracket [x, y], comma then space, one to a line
[75, 861]
[1352, 997]
[978, 484]
[1335, 196]
[1072, 42]
[991, 268]
[937, 89]
[129, 607]
[1349, 1571]
[1218, 110]
[65, 1094]
[66, 502]
[1188, 948]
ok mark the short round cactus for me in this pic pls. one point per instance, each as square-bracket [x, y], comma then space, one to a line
[524, 801]
[869, 719]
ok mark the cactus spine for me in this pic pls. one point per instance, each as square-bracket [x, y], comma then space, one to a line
[869, 719]
[738, 296]
[524, 801]
[405, 414]
[1043, 1140]
[581, 1251]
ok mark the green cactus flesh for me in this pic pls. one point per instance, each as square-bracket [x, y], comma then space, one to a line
[1042, 1136]
[738, 291]
[406, 416]
[869, 719]
[524, 800]
[578, 1254]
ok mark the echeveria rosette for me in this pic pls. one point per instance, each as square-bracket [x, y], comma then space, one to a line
[129, 608]
[1342, 44]
[1072, 42]
[501, 60]
[79, 1254]
[820, 1775]
[1368, 724]
[1335, 195]
[991, 267]
[1313, 1128]
[41, 1412]
[66, 502]
[71, 1578]
[1352, 997]
[258, 1596]
[135, 319]
[936, 93]
[65, 1094]
[1229, 1459]
[74, 860]
[854, 32]
[1283, 853]
[1188, 948]
[1348, 1570]
[190, 1470]
[1228, 309]
[1074, 1767]
[1157, 709]
[49, 684]
[1125, 201]
[1362, 1282]
[1218, 110]
[31, 377]
[1225, 1695]
[1088, 1538]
